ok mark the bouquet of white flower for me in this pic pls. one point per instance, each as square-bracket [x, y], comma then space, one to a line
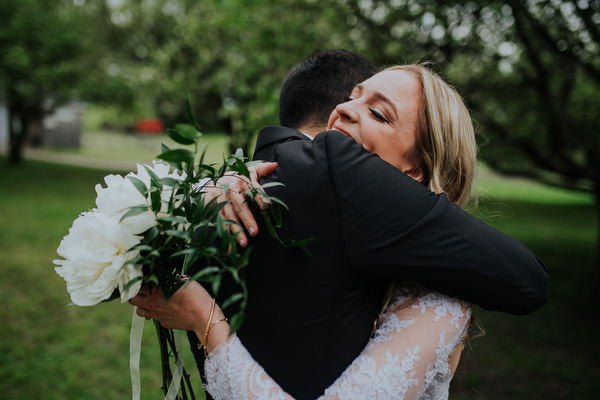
[153, 227]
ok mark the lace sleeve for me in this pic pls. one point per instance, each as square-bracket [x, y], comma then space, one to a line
[408, 358]
[232, 374]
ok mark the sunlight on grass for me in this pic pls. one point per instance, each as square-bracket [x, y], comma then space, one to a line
[143, 148]
[496, 187]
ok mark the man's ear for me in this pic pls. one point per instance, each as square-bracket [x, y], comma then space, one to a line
[414, 173]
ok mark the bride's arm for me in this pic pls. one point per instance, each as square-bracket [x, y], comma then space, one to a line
[414, 346]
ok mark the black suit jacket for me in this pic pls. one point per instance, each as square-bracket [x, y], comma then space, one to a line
[309, 316]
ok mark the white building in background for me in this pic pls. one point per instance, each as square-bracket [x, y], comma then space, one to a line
[62, 128]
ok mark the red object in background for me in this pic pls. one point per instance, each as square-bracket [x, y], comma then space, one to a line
[149, 126]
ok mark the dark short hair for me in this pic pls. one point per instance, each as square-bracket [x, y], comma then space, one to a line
[314, 87]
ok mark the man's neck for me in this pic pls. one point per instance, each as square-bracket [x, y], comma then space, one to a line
[311, 131]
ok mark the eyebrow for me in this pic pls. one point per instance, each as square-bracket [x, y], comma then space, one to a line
[382, 97]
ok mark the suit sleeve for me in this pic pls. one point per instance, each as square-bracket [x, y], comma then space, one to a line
[396, 228]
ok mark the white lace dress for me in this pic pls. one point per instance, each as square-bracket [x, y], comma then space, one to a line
[408, 357]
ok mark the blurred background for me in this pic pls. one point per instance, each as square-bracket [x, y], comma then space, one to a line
[87, 88]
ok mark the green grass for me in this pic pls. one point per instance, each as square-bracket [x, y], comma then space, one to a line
[51, 350]
[140, 148]
[54, 351]
[549, 354]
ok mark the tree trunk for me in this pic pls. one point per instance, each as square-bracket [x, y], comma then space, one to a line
[17, 136]
[25, 114]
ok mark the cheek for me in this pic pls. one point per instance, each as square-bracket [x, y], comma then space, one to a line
[332, 117]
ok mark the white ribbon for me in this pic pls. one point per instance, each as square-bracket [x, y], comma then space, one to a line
[176, 380]
[135, 347]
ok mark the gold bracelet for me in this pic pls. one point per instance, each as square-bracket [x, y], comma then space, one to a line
[203, 341]
[213, 324]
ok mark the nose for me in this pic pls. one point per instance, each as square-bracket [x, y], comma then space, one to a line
[347, 111]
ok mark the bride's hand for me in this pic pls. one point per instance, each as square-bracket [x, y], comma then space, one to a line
[237, 209]
[189, 309]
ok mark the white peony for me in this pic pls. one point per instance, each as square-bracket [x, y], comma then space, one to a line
[161, 170]
[96, 248]
[94, 252]
[119, 196]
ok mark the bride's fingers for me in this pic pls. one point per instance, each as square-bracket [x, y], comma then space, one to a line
[238, 211]
[265, 169]
[256, 173]
[144, 291]
[142, 312]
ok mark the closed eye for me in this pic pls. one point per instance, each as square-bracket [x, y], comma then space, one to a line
[377, 115]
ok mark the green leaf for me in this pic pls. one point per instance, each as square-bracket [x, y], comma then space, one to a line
[245, 258]
[132, 282]
[151, 234]
[155, 199]
[232, 299]
[177, 220]
[237, 165]
[134, 211]
[177, 138]
[142, 247]
[188, 132]
[220, 225]
[177, 155]
[139, 185]
[216, 284]
[183, 252]
[214, 210]
[236, 321]
[178, 234]
[276, 200]
[154, 179]
[205, 271]
[174, 183]
[189, 112]
[271, 184]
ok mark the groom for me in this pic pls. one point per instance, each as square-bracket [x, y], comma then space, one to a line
[309, 316]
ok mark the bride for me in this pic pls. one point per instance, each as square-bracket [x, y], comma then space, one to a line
[417, 122]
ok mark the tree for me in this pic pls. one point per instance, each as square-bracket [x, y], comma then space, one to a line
[51, 53]
[530, 70]
[38, 46]
[230, 55]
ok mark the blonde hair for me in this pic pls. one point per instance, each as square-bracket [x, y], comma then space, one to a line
[445, 150]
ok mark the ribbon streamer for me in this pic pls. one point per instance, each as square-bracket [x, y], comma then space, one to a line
[135, 349]
[176, 380]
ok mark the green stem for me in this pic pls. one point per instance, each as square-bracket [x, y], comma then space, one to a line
[170, 336]
[164, 356]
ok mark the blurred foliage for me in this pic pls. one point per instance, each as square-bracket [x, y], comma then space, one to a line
[529, 69]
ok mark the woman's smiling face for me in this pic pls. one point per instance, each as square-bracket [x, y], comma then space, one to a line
[382, 115]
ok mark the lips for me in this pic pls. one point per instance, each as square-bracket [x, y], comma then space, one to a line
[337, 128]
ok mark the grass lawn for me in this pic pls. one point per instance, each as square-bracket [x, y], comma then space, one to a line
[54, 351]
[51, 350]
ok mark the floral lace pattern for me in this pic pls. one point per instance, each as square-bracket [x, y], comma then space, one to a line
[408, 357]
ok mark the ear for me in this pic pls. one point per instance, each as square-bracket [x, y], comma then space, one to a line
[414, 173]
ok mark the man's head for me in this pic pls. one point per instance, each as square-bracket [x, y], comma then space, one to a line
[315, 86]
